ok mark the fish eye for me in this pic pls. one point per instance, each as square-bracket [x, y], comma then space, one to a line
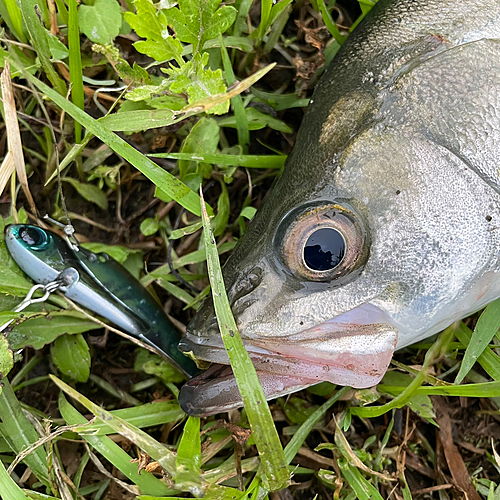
[34, 237]
[324, 243]
[324, 249]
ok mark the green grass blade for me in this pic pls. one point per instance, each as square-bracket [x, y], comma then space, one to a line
[482, 390]
[248, 161]
[147, 415]
[39, 39]
[265, 18]
[329, 22]
[488, 359]
[75, 64]
[20, 433]
[8, 487]
[153, 448]
[148, 483]
[486, 328]
[274, 472]
[189, 458]
[161, 178]
[12, 16]
[236, 102]
[300, 436]
[364, 490]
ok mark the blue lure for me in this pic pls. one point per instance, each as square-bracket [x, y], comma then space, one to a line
[99, 283]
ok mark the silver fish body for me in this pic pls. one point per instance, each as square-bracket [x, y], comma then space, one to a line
[399, 153]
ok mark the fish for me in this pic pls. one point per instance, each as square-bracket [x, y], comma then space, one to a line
[99, 283]
[383, 228]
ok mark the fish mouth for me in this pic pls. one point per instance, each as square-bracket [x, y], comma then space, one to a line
[353, 349]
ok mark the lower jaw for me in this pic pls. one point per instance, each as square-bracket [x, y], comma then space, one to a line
[350, 350]
[216, 390]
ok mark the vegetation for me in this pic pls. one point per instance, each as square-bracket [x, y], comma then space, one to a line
[127, 111]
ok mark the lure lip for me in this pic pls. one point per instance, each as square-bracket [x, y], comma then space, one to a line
[353, 349]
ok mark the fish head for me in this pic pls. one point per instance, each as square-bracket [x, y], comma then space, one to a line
[368, 242]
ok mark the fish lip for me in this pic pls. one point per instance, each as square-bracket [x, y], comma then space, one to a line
[352, 349]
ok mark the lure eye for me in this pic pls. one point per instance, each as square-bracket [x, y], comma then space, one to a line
[34, 237]
[324, 243]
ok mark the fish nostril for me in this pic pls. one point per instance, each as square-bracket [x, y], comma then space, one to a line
[246, 285]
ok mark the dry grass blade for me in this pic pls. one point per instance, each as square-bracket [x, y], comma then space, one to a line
[14, 135]
[351, 457]
[6, 170]
[454, 460]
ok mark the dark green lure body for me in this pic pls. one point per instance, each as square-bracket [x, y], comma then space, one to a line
[100, 284]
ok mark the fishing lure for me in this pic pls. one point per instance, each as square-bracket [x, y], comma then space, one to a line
[99, 283]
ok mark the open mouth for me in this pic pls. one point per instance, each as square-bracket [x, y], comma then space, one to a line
[353, 349]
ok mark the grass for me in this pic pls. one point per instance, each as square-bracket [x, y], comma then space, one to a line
[219, 121]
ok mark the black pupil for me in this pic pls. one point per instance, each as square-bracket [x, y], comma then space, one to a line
[324, 249]
[31, 236]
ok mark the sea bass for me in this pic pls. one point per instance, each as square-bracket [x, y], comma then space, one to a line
[384, 226]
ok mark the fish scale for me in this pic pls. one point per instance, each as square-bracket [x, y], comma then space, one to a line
[398, 152]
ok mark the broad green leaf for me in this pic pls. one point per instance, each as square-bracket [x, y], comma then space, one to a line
[38, 331]
[151, 24]
[199, 83]
[89, 192]
[6, 359]
[101, 22]
[203, 139]
[486, 328]
[189, 458]
[256, 121]
[184, 231]
[118, 252]
[152, 364]
[274, 473]
[135, 75]
[150, 226]
[208, 83]
[58, 50]
[70, 353]
[17, 430]
[196, 21]
[280, 101]
[113, 452]
[296, 409]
